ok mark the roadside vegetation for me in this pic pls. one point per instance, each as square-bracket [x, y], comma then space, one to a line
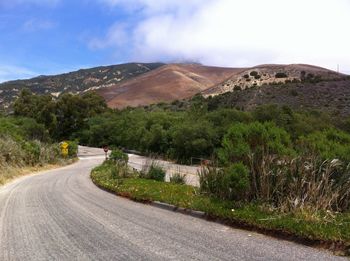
[322, 227]
[278, 168]
[25, 146]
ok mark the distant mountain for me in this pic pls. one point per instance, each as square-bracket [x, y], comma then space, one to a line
[139, 84]
[165, 84]
[75, 82]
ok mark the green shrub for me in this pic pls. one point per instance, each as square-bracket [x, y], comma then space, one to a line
[257, 145]
[281, 75]
[156, 172]
[178, 178]
[33, 150]
[231, 183]
[236, 181]
[328, 144]
[254, 139]
[254, 73]
[72, 148]
[21, 128]
[118, 156]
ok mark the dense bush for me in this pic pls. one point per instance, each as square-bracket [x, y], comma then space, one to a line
[117, 156]
[72, 148]
[33, 150]
[231, 183]
[156, 172]
[251, 142]
[256, 145]
[297, 124]
[254, 73]
[236, 181]
[314, 181]
[281, 75]
[328, 144]
[192, 140]
[23, 128]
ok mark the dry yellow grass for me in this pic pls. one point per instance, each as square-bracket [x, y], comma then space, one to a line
[9, 173]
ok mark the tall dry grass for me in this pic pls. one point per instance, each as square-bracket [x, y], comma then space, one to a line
[291, 184]
[16, 155]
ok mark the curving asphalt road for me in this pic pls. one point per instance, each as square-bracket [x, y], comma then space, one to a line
[61, 215]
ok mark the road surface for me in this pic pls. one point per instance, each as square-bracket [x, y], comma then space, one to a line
[62, 215]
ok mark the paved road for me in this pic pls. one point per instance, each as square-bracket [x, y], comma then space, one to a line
[61, 215]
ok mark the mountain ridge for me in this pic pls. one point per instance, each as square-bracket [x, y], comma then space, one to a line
[74, 82]
[141, 84]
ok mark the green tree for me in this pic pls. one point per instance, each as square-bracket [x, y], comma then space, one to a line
[192, 140]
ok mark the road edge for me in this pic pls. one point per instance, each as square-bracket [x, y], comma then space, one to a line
[336, 248]
[32, 171]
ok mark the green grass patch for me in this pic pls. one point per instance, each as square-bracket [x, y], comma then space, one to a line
[324, 228]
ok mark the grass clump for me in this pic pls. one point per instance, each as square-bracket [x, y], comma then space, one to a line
[178, 178]
[156, 172]
[152, 170]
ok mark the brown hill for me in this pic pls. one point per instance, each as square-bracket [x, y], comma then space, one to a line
[137, 84]
[165, 84]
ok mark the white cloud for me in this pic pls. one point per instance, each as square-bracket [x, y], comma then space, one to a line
[238, 33]
[116, 36]
[11, 72]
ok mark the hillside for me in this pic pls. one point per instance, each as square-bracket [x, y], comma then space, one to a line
[74, 82]
[137, 84]
[326, 96]
[273, 74]
[165, 84]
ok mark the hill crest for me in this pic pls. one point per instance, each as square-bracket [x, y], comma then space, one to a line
[140, 84]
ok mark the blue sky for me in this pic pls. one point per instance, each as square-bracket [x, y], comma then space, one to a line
[47, 38]
[54, 36]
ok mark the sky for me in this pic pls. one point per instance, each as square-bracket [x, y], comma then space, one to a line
[43, 37]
